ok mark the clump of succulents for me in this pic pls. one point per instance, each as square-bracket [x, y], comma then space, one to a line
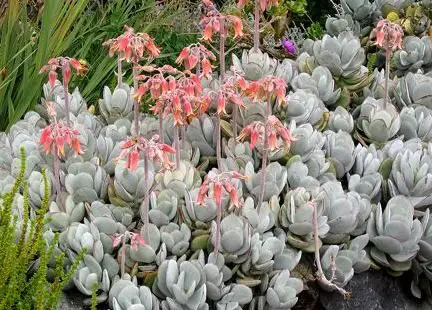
[212, 201]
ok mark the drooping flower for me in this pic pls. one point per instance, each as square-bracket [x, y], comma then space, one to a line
[133, 147]
[131, 46]
[289, 47]
[54, 137]
[136, 240]
[65, 64]
[275, 129]
[193, 54]
[210, 23]
[267, 87]
[388, 35]
[220, 181]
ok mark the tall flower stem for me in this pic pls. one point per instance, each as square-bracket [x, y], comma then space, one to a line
[234, 122]
[123, 257]
[57, 180]
[161, 128]
[321, 278]
[387, 77]
[222, 77]
[119, 72]
[222, 49]
[136, 103]
[265, 154]
[145, 202]
[256, 35]
[218, 227]
[66, 98]
[177, 146]
[183, 135]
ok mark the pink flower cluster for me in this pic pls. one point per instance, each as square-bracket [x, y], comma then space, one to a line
[65, 63]
[131, 46]
[388, 35]
[195, 54]
[56, 135]
[256, 131]
[132, 147]
[220, 181]
[211, 22]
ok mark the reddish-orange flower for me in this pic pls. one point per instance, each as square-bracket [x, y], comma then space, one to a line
[210, 23]
[131, 46]
[275, 129]
[152, 149]
[219, 181]
[54, 137]
[388, 35]
[267, 87]
[64, 63]
[193, 54]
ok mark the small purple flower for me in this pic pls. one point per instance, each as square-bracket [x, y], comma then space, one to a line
[289, 47]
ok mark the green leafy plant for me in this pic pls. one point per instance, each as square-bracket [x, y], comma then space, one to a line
[21, 241]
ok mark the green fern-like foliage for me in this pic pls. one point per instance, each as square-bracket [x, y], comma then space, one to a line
[24, 254]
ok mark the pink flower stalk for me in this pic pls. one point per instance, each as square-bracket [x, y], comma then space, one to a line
[266, 89]
[151, 149]
[389, 37]
[136, 240]
[56, 135]
[53, 138]
[197, 55]
[260, 6]
[275, 130]
[219, 181]
[66, 64]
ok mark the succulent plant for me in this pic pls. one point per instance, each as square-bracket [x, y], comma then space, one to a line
[287, 70]
[183, 178]
[60, 221]
[411, 176]
[320, 83]
[240, 153]
[202, 134]
[164, 207]
[339, 148]
[182, 284]
[86, 181]
[346, 212]
[340, 119]
[176, 238]
[126, 295]
[254, 64]
[117, 104]
[196, 213]
[336, 25]
[265, 256]
[368, 186]
[304, 107]
[296, 215]
[342, 55]
[275, 180]
[340, 264]
[395, 234]
[77, 104]
[377, 89]
[235, 238]
[378, 121]
[416, 122]
[36, 189]
[414, 88]
[298, 174]
[358, 9]
[417, 53]
[263, 221]
[128, 188]
[367, 160]
[118, 131]
[283, 290]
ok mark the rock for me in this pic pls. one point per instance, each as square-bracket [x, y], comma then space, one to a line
[374, 290]
[71, 300]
